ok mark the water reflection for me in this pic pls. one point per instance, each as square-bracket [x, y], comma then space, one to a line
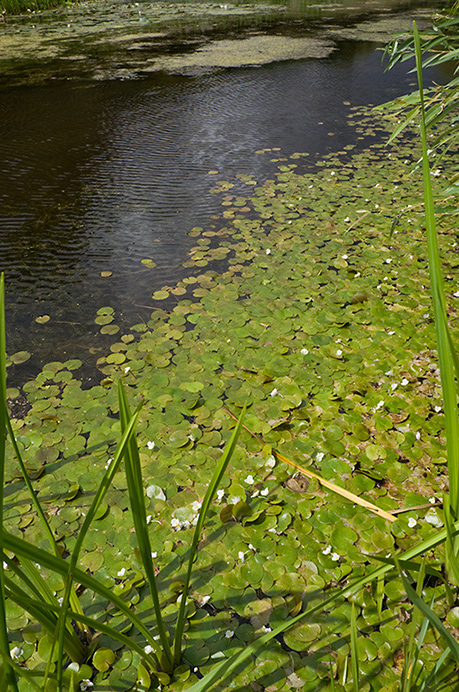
[97, 177]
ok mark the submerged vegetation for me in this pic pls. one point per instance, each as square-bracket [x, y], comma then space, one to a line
[322, 327]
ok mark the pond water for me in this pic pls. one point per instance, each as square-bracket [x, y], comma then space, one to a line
[97, 174]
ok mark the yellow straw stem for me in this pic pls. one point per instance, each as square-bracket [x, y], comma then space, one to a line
[327, 484]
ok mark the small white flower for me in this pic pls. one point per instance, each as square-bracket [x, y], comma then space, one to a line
[388, 260]
[107, 465]
[252, 547]
[154, 554]
[339, 353]
[268, 251]
[150, 444]
[327, 550]
[126, 369]
[389, 373]
[376, 206]
[234, 499]
[175, 523]
[204, 600]
[344, 257]
[436, 173]
[255, 493]
[16, 652]
[319, 456]
[426, 315]
[220, 493]
[149, 519]
[229, 634]
[456, 295]
[391, 333]
[437, 409]
[196, 506]
[266, 629]
[122, 572]
[404, 382]
[148, 649]
[86, 685]
[264, 492]
[249, 480]
[418, 435]
[379, 405]
[394, 386]
[304, 351]
[356, 275]
[332, 173]
[270, 462]
[60, 600]
[432, 500]
[347, 219]
[334, 557]
[274, 392]
[412, 522]
[241, 555]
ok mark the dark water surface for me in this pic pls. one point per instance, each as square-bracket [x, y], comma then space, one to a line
[96, 176]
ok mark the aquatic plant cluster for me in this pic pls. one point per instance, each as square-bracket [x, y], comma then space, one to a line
[205, 564]
[321, 324]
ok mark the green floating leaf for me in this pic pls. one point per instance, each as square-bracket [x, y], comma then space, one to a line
[109, 329]
[160, 295]
[20, 357]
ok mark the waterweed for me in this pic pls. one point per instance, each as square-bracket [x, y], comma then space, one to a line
[71, 632]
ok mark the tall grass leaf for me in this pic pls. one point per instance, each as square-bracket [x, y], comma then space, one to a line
[95, 504]
[4, 645]
[434, 620]
[431, 679]
[226, 667]
[137, 503]
[354, 651]
[412, 649]
[45, 614]
[210, 494]
[74, 602]
[22, 548]
[33, 607]
[439, 308]
[21, 672]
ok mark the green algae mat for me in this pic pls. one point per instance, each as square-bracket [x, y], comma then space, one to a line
[309, 303]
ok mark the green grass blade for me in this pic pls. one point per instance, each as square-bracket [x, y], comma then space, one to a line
[413, 648]
[354, 651]
[74, 602]
[34, 607]
[105, 483]
[4, 645]
[434, 620]
[439, 309]
[226, 667]
[210, 494]
[21, 672]
[45, 614]
[137, 503]
[24, 549]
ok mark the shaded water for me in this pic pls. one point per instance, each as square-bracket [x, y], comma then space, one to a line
[96, 176]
